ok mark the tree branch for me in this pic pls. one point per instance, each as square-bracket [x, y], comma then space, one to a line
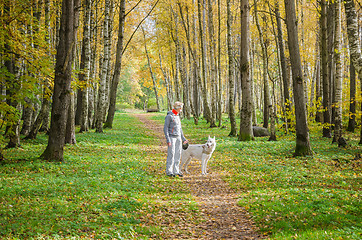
[124, 49]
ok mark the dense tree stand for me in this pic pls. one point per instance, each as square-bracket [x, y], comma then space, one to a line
[217, 202]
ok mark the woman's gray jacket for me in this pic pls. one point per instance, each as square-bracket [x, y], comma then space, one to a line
[172, 127]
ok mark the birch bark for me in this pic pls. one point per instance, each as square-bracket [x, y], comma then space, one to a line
[246, 129]
[103, 78]
[303, 147]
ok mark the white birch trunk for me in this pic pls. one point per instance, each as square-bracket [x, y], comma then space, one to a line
[246, 129]
[101, 106]
[338, 73]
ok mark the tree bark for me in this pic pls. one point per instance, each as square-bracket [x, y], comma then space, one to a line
[62, 81]
[354, 41]
[303, 147]
[101, 105]
[207, 113]
[324, 72]
[219, 93]
[352, 99]
[338, 78]
[246, 118]
[70, 129]
[117, 67]
[352, 32]
[92, 98]
[283, 63]
[151, 70]
[194, 64]
[267, 105]
[230, 72]
[85, 69]
[213, 73]
[27, 116]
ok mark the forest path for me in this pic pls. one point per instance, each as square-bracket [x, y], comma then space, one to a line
[217, 202]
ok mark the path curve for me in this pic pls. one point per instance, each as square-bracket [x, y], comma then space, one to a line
[216, 200]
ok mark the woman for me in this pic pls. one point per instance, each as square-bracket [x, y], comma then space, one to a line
[174, 138]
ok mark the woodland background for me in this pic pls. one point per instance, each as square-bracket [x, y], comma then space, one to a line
[70, 68]
[82, 60]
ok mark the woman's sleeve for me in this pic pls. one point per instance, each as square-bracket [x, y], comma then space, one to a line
[165, 128]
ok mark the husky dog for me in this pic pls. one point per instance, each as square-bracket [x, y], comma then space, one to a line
[202, 152]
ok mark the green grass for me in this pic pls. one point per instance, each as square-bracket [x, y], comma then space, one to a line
[107, 188]
[315, 197]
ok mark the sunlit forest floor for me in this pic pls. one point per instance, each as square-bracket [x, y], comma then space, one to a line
[113, 186]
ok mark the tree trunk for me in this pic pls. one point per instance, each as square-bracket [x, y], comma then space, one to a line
[41, 122]
[352, 99]
[230, 73]
[324, 72]
[353, 39]
[27, 116]
[85, 69]
[70, 129]
[101, 105]
[151, 71]
[167, 84]
[194, 66]
[93, 68]
[283, 63]
[266, 106]
[246, 118]
[316, 74]
[338, 73]
[62, 81]
[219, 93]
[185, 83]
[207, 113]
[44, 111]
[117, 67]
[213, 73]
[47, 93]
[303, 147]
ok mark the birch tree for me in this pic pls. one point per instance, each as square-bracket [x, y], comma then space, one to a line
[353, 40]
[230, 72]
[267, 104]
[303, 147]
[62, 80]
[283, 63]
[246, 118]
[338, 74]
[103, 77]
[207, 113]
[151, 70]
[213, 69]
[118, 65]
[352, 98]
[324, 71]
[85, 68]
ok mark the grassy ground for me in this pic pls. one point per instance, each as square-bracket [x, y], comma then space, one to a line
[108, 187]
[315, 197]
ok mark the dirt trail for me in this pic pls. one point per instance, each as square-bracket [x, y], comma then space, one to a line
[216, 200]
